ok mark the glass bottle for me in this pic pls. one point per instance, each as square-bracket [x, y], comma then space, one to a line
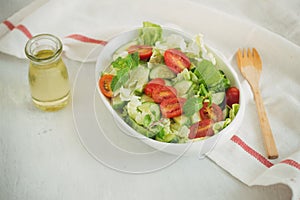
[48, 75]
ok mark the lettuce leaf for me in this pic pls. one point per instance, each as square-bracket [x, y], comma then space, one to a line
[211, 77]
[192, 105]
[150, 33]
[233, 111]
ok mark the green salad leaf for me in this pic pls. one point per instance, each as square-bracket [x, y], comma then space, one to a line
[233, 111]
[123, 67]
[130, 61]
[192, 105]
[150, 33]
[208, 74]
[121, 78]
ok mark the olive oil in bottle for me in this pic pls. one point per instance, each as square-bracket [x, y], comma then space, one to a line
[48, 75]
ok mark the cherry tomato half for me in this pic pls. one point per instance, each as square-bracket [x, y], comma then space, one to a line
[172, 107]
[144, 51]
[176, 60]
[104, 85]
[202, 128]
[232, 96]
[155, 83]
[213, 112]
[163, 92]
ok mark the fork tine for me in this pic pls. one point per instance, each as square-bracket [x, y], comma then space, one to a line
[244, 53]
[255, 54]
[257, 58]
[249, 53]
[238, 58]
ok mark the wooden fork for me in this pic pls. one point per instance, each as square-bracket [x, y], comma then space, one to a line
[250, 66]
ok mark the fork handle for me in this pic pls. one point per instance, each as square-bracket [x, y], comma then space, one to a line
[269, 142]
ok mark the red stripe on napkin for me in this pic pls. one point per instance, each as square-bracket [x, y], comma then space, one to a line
[24, 30]
[251, 151]
[20, 27]
[8, 24]
[291, 163]
[260, 157]
[83, 38]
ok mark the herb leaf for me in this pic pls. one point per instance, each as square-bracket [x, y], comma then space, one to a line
[121, 78]
[123, 66]
[130, 61]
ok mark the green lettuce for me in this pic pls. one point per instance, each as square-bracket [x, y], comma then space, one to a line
[211, 77]
[150, 33]
[192, 105]
[123, 67]
[233, 111]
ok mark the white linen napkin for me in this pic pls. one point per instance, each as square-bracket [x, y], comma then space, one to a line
[85, 24]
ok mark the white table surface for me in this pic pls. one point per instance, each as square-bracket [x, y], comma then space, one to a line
[41, 156]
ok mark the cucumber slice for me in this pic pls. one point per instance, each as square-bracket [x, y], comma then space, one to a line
[117, 103]
[150, 108]
[132, 109]
[161, 71]
[171, 138]
[143, 113]
[182, 120]
[218, 97]
[145, 98]
[138, 128]
[168, 82]
[175, 126]
[182, 87]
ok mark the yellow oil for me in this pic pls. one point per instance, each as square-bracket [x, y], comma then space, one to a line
[49, 83]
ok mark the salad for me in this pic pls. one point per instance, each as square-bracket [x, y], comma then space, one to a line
[169, 88]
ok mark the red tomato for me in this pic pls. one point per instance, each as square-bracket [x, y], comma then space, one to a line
[232, 96]
[158, 81]
[163, 92]
[144, 51]
[213, 112]
[104, 85]
[155, 83]
[202, 128]
[176, 60]
[172, 107]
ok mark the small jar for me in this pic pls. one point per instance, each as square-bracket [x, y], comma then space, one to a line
[48, 75]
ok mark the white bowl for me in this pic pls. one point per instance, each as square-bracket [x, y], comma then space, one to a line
[199, 147]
